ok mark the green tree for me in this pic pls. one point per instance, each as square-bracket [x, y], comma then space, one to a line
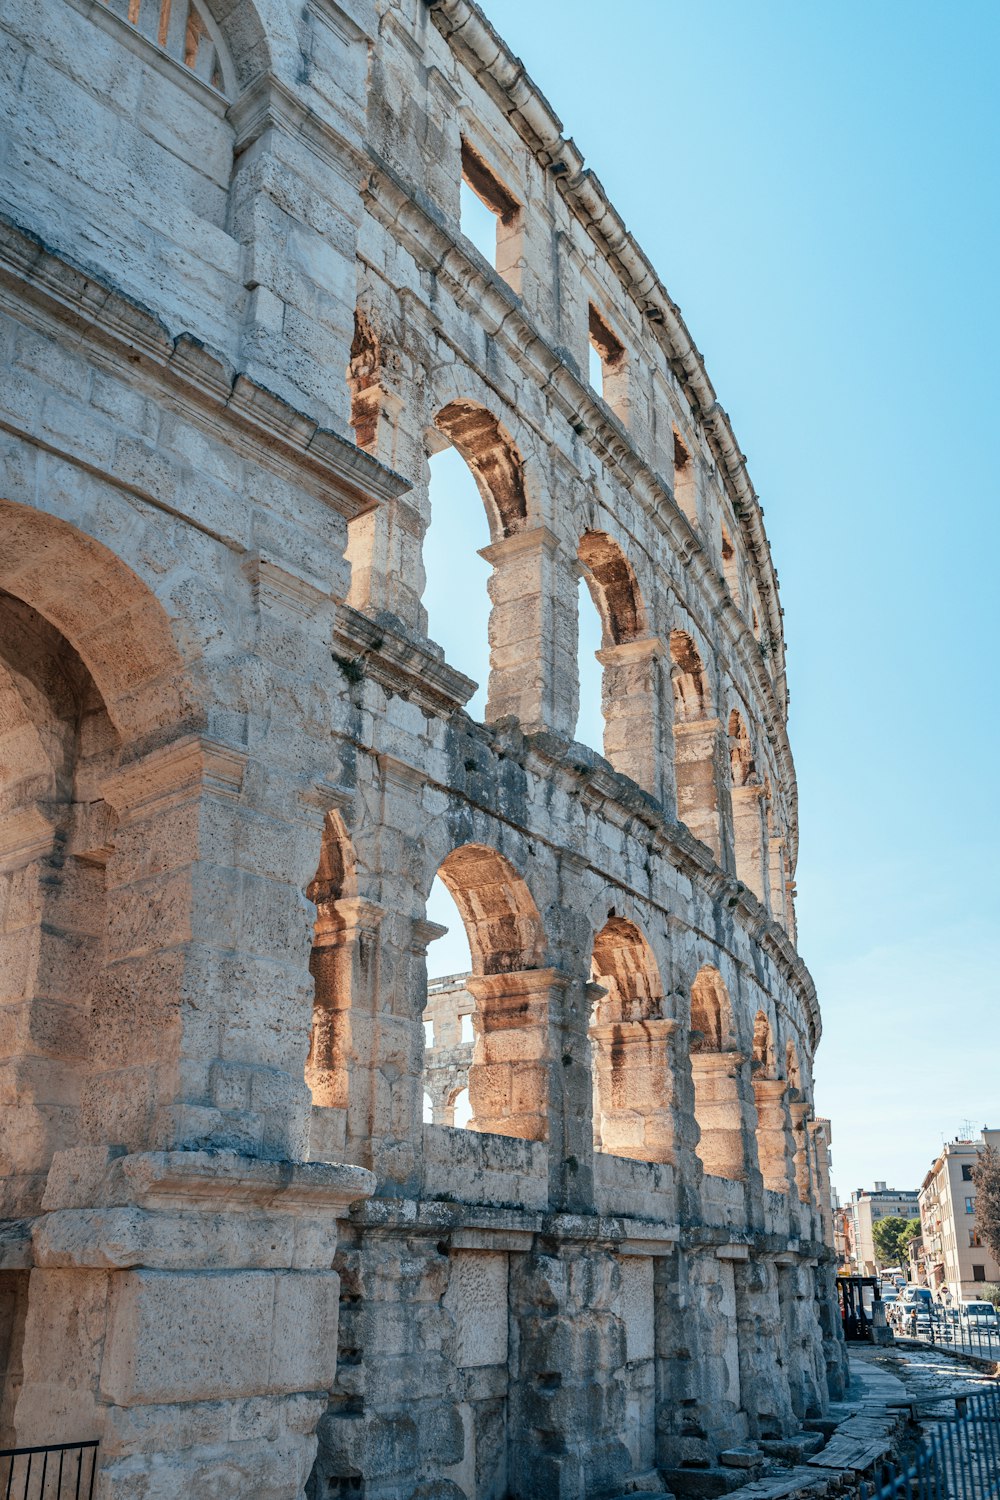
[892, 1237]
[986, 1177]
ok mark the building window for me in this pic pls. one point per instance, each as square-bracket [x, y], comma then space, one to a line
[966, 1173]
[970, 1205]
[979, 1273]
[428, 1033]
[975, 1239]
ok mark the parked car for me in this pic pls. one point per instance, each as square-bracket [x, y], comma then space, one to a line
[981, 1315]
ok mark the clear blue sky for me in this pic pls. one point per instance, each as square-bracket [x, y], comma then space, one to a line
[818, 187]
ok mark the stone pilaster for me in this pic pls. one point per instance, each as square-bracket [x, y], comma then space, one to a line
[634, 1088]
[638, 714]
[699, 754]
[748, 840]
[720, 1112]
[533, 673]
[801, 1113]
[764, 1389]
[775, 1148]
[344, 965]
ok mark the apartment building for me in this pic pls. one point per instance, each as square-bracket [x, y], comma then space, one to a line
[866, 1208]
[955, 1254]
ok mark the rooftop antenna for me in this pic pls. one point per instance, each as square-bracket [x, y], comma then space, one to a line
[968, 1130]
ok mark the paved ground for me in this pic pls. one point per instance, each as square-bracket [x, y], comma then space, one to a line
[970, 1468]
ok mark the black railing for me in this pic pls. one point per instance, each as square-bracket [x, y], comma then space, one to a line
[950, 1327]
[63, 1472]
[959, 1460]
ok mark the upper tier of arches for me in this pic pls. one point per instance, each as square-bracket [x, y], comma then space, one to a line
[539, 435]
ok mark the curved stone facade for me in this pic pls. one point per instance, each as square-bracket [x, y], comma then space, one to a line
[238, 314]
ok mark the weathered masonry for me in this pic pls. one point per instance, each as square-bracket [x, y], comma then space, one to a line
[238, 315]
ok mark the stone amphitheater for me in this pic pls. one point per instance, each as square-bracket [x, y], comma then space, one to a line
[238, 316]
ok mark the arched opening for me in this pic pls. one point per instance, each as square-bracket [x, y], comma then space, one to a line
[628, 658]
[508, 1072]
[478, 616]
[685, 479]
[696, 734]
[493, 459]
[448, 1028]
[330, 964]
[344, 964]
[716, 1065]
[773, 1139]
[186, 31]
[461, 1109]
[747, 801]
[456, 588]
[589, 728]
[364, 374]
[631, 1043]
[57, 743]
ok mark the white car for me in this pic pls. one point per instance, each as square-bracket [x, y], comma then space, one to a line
[980, 1315]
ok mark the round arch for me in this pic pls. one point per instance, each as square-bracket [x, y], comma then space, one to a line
[503, 924]
[104, 610]
[613, 586]
[493, 459]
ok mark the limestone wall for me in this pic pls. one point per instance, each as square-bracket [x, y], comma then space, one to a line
[237, 316]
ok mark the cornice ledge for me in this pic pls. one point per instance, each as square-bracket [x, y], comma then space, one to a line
[352, 481]
[378, 649]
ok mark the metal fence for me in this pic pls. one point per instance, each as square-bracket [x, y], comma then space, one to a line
[63, 1472]
[959, 1460]
[948, 1326]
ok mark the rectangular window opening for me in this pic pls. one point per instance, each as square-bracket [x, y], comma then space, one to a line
[979, 1273]
[685, 492]
[490, 216]
[607, 368]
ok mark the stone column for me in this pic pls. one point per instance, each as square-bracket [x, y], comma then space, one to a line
[176, 1297]
[637, 715]
[748, 840]
[700, 751]
[719, 1110]
[636, 1095]
[344, 966]
[533, 672]
[775, 1148]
